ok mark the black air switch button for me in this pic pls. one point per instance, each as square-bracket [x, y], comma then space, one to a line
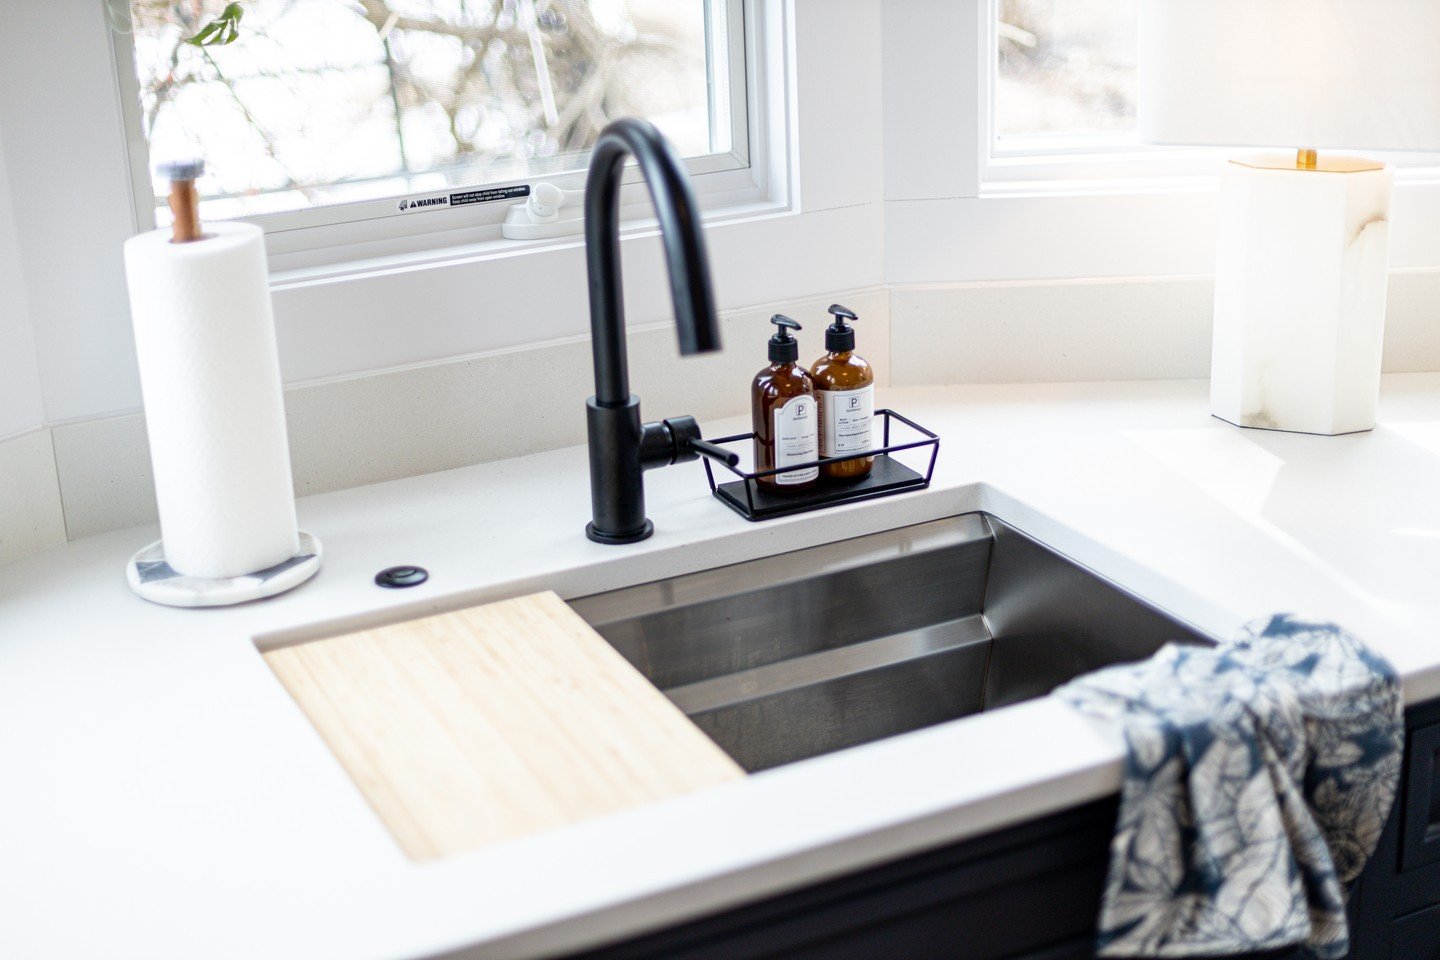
[407, 576]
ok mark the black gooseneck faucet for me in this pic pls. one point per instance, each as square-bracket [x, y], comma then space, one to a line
[621, 447]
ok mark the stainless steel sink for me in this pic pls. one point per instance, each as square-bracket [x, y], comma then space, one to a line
[802, 653]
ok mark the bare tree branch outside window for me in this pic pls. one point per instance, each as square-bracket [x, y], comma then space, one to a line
[324, 101]
[1065, 67]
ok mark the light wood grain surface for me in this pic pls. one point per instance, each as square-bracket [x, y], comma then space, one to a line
[494, 722]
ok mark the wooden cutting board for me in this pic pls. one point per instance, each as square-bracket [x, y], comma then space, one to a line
[494, 722]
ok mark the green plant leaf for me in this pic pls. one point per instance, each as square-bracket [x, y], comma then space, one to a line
[223, 30]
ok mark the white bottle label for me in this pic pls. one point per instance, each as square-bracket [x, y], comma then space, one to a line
[845, 417]
[797, 439]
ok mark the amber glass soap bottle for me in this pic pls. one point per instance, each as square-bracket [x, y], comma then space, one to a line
[784, 416]
[845, 388]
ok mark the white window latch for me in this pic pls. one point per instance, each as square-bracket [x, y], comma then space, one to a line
[548, 212]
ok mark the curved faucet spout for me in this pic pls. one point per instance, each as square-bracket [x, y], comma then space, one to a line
[680, 231]
[621, 447]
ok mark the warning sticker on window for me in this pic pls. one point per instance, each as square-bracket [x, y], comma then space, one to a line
[485, 196]
[410, 205]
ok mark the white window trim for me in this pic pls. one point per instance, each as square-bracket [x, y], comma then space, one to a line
[343, 239]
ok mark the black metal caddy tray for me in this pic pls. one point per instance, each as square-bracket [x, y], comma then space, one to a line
[888, 476]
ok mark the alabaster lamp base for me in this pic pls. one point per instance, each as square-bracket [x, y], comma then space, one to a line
[1300, 287]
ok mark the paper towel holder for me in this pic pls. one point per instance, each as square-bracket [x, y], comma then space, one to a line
[149, 573]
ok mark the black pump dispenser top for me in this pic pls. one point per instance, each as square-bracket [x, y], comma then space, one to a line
[838, 337]
[783, 347]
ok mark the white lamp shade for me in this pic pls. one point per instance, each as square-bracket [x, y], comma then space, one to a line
[1291, 73]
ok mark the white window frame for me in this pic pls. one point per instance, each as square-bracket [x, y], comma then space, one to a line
[336, 238]
[959, 211]
[1099, 163]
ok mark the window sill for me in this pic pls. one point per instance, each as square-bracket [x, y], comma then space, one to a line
[1022, 178]
[445, 249]
[1000, 189]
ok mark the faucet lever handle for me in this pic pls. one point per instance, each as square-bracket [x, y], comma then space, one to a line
[684, 443]
[715, 452]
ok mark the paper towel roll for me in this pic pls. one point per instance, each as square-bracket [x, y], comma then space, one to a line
[210, 376]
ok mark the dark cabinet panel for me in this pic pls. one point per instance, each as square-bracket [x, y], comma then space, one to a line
[1394, 898]
[1033, 892]
[1421, 843]
[1010, 895]
[1027, 893]
[1417, 937]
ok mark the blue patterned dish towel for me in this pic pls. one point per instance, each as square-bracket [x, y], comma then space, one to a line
[1258, 777]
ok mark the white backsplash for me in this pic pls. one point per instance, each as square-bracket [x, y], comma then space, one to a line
[430, 417]
[437, 416]
[30, 510]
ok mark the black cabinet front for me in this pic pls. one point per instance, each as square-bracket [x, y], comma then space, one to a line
[1032, 892]
[1421, 843]
[1417, 937]
[1028, 892]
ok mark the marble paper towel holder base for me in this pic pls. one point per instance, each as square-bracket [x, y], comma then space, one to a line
[155, 580]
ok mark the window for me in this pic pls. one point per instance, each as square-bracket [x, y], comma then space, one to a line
[1062, 102]
[1065, 68]
[326, 111]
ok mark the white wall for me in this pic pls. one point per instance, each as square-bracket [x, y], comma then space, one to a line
[887, 173]
[31, 511]
[21, 407]
[65, 152]
[887, 170]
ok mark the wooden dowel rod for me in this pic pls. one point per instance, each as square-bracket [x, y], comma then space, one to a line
[185, 205]
[184, 201]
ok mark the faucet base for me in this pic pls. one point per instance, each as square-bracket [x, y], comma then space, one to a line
[642, 534]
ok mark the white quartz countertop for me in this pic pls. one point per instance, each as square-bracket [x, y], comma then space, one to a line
[162, 796]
